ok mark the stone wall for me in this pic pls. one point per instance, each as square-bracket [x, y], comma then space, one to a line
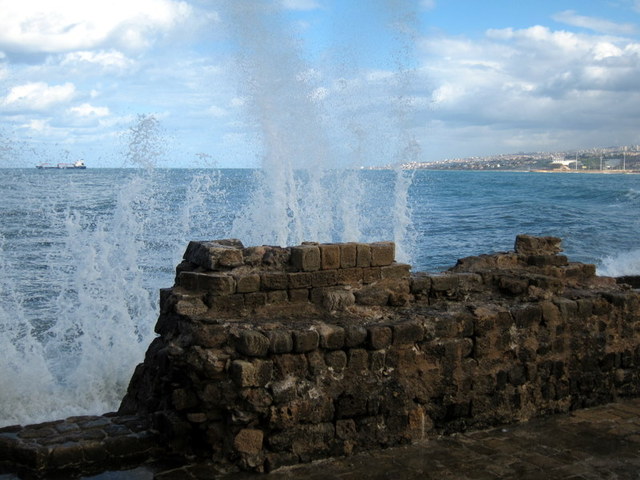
[270, 356]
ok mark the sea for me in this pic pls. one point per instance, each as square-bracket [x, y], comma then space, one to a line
[83, 254]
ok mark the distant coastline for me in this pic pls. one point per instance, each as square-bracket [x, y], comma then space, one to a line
[597, 172]
[610, 160]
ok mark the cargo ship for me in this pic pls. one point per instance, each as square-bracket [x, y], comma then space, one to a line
[79, 165]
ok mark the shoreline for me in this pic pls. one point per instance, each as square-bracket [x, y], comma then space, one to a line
[491, 170]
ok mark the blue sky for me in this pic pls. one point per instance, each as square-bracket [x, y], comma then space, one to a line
[355, 82]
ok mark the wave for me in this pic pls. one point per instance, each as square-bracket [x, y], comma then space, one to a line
[620, 264]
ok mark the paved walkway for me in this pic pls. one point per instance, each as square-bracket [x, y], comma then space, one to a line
[597, 443]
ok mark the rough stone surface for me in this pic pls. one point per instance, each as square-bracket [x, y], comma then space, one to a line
[366, 357]
[371, 356]
[84, 444]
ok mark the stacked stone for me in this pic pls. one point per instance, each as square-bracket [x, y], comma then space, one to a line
[270, 356]
[500, 338]
[77, 445]
[234, 279]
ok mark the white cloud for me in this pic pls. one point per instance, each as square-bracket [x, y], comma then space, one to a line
[38, 125]
[88, 110]
[37, 96]
[43, 26]
[534, 88]
[600, 25]
[107, 61]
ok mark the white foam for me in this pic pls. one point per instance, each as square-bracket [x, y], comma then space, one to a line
[621, 264]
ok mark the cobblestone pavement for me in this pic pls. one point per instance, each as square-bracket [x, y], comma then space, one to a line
[76, 444]
[596, 443]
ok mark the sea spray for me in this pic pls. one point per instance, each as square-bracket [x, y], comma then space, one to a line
[81, 262]
[620, 264]
[305, 189]
[79, 359]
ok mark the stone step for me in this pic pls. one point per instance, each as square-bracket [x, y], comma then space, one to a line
[77, 445]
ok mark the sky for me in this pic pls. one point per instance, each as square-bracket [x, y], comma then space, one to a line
[230, 82]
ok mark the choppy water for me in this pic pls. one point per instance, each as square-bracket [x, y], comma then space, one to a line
[83, 253]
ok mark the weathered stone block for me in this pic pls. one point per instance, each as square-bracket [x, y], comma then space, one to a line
[274, 281]
[305, 258]
[580, 271]
[363, 255]
[371, 275]
[281, 341]
[513, 285]
[469, 282]
[226, 303]
[299, 295]
[277, 296]
[189, 307]
[305, 340]
[379, 337]
[254, 300]
[331, 336]
[324, 278]
[214, 254]
[317, 366]
[372, 295]
[66, 456]
[568, 308]
[349, 276]
[214, 283]
[358, 359]
[395, 271]
[549, 284]
[550, 313]
[329, 256]
[285, 416]
[420, 284]
[399, 299]
[252, 344]
[283, 391]
[337, 299]
[382, 253]
[247, 283]
[256, 373]
[348, 255]
[445, 283]
[407, 333]
[354, 335]
[336, 359]
[547, 260]
[248, 441]
[291, 365]
[526, 316]
[300, 280]
[346, 429]
[377, 360]
[529, 245]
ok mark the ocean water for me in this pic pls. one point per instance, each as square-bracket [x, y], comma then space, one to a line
[84, 253]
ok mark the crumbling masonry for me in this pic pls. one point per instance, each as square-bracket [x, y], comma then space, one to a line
[271, 356]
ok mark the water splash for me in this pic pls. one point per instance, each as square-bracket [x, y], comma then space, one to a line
[96, 267]
[306, 189]
[621, 264]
